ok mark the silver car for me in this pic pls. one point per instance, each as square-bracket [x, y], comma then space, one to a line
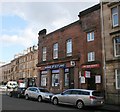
[38, 93]
[79, 98]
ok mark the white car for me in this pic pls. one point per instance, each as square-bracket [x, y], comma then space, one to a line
[38, 93]
[3, 87]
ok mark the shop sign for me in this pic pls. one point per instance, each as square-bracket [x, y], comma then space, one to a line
[91, 66]
[55, 66]
[82, 79]
[97, 79]
[87, 74]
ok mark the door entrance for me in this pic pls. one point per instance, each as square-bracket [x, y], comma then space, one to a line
[71, 78]
[91, 83]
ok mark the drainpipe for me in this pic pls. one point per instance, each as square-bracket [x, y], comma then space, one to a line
[103, 49]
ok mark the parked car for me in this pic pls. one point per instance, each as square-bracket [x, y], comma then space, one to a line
[3, 87]
[38, 93]
[18, 92]
[79, 98]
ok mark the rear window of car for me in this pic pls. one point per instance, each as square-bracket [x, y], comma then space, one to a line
[97, 93]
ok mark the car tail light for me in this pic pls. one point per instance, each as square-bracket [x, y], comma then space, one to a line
[93, 97]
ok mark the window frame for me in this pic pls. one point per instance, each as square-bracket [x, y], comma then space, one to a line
[90, 36]
[69, 47]
[55, 51]
[91, 56]
[113, 14]
[115, 48]
[116, 79]
[44, 53]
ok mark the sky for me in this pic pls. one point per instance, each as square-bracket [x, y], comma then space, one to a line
[20, 21]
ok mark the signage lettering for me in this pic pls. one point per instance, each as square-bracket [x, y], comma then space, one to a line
[55, 66]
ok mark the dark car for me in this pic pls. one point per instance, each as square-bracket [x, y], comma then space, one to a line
[18, 92]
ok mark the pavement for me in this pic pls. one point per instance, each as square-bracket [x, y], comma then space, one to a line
[111, 108]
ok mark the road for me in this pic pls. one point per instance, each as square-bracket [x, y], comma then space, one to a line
[13, 104]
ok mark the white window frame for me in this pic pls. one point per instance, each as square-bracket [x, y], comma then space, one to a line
[90, 36]
[69, 47]
[116, 78]
[55, 51]
[43, 79]
[115, 52]
[91, 56]
[54, 77]
[113, 15]
[44, 52]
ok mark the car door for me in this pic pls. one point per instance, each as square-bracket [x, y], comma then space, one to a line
[64, 97]
[34, 93]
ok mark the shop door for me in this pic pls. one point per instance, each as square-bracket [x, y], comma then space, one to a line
[91, 83]
[71, 78]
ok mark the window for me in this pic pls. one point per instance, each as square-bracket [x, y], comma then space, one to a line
[55, 51]
[55, 79]
[90, 36]
[115, 16]
[66, 79]
[44, 54]
[44, 80]
[117, 46]
[69, 47]
[117, 74]
[67, 92]
[91, 56]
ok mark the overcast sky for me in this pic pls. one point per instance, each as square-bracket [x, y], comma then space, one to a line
[21, 21]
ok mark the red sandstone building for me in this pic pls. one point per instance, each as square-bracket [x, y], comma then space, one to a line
[71, 57]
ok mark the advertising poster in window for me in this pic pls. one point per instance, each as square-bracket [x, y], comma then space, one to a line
[82, 79]
[97, 79]
[87, 74]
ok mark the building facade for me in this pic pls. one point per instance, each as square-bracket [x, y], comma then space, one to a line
[71, 57]
[22, 68]
[111, 34]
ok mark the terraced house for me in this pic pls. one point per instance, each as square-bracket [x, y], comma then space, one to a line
[111, 35]
[71, 57]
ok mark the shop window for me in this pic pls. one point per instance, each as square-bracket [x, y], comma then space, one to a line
[90, 36]
[55, 51]
[44, 51]
[55, 79]
[117, 46]
[91, 56]
[115, 16]
[66, 79]
[117, 74]
[69, 47]
[44, 80]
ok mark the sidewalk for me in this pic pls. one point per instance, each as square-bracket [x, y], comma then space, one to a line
[111, 108]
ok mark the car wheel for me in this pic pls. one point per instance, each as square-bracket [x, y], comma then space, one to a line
[26, 97]
[39, 98]
[80, 104]
[55, 101]
[18, 95]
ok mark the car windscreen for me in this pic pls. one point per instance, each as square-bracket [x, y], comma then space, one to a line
[44, 90]
[97, 93]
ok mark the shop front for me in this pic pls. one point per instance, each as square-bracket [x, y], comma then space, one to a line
[91, 76]
[57, 77]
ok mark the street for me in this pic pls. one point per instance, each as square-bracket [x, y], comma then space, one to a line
[14, 104]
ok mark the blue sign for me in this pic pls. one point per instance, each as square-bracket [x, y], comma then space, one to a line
[55, 66]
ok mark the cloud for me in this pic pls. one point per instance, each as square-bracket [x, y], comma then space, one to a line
[25, 38]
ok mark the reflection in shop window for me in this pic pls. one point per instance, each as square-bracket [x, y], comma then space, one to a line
[66, 79]
[55, 79]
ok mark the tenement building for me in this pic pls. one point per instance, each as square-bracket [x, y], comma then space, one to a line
[71, 57]
[111, 34]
